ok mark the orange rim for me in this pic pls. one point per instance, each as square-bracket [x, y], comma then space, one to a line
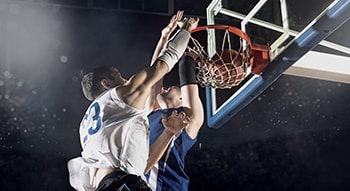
[233, 30]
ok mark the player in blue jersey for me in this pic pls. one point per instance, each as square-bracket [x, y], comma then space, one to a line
[168, 174]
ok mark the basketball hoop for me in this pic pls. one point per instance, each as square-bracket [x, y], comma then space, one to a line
[227, 67]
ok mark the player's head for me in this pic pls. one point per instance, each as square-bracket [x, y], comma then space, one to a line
[100, 79]
[170, 97]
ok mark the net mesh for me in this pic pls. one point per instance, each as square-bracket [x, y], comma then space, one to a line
[226, 68]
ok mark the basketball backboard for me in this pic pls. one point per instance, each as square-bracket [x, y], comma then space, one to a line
[292, 29]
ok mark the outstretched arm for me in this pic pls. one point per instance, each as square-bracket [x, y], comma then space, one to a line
[165, 34]
[136, 91]
[190, 94]
[156, 88]
[174, 124]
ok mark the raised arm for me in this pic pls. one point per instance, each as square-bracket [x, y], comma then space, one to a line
[165, 34]
[190, 94]
[136, 91]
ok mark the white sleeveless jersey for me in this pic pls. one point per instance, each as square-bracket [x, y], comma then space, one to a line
[113, 135]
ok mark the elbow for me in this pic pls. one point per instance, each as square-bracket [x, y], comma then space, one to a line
[148, 167]
[147, 170]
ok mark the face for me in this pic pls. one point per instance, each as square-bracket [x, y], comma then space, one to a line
[170, 97]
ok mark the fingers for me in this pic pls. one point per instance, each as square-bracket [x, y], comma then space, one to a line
[178, 116]
[184, 119]
[173, 19]
[197, 20]
[182, 115]
[188, 119]
[188, 23]
[175, 122]
[192, 20]
[179, 15]
[174, 113]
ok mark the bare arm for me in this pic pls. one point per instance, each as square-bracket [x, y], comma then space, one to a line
[174, 124]
[190, 94]
[156, 88]
[136, 91]
[165, 34]
[193, 108]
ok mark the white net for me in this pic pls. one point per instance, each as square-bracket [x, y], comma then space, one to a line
[226, 68]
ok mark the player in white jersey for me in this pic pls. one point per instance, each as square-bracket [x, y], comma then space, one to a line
[114, 131]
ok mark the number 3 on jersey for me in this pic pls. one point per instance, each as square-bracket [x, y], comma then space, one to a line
[92, 120]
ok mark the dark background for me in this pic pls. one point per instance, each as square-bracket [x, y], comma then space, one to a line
[294, 136]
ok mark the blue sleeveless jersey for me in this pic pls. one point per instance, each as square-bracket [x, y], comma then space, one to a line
[170, 174]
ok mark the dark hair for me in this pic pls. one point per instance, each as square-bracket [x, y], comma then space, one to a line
[91, 81]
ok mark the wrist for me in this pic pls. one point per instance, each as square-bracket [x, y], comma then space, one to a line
[168, 133]
[186, 27]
